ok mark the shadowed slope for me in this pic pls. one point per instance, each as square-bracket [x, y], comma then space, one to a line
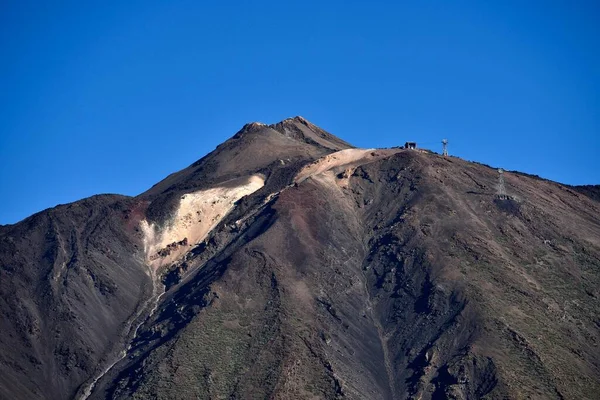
[69, 283]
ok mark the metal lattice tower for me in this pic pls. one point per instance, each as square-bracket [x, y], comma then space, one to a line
[501, 188]
[445, 147]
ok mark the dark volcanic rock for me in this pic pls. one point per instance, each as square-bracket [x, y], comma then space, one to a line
[592, 191]
[351, 273]
[69, 282]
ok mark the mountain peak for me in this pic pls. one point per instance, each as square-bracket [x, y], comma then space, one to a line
[381, 273]
[251, 127]
[296, 121]
[253, 148]
[297, 118]
[300, 129]
[288, 123]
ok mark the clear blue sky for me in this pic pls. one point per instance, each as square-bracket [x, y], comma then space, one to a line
[111, 96]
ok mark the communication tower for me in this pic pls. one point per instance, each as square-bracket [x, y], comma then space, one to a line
[445, 147]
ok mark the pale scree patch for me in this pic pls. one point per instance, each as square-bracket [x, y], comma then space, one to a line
[198, 213]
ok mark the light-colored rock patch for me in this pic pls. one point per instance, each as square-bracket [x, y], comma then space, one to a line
[343, 158]
[197, 214]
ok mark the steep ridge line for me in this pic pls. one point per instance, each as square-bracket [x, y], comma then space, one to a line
[210, 206]
[221, 248]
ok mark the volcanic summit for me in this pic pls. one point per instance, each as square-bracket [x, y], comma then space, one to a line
[289, 264]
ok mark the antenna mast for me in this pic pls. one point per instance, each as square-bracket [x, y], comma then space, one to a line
[445, 147]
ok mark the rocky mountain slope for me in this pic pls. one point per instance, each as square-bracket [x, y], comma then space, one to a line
[288, 264]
